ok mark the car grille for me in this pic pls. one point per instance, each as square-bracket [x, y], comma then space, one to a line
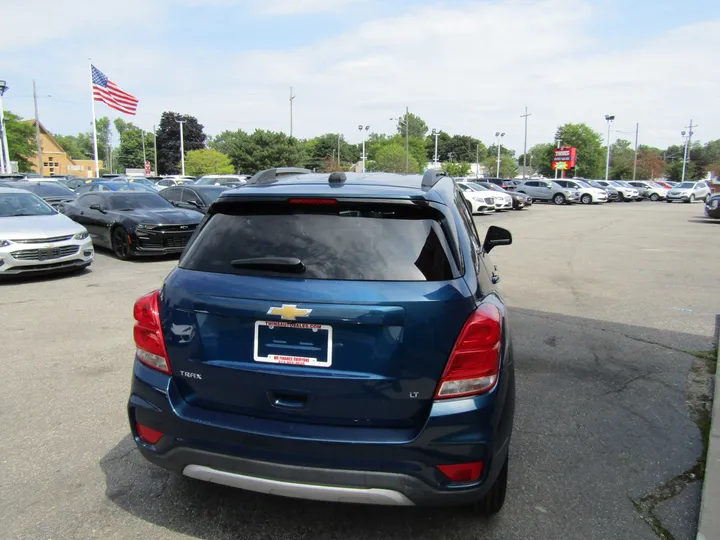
[190, 227]
[44, 254]
[50, 240]
[161, 243]
[490, 201]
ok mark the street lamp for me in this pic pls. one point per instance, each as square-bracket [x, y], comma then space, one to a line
[436, 134]
[609, 118]
[182, 145]
[687, 147]
[498, 136]
[5, 162]
[364, 157]
[558, 142]
[406, 123]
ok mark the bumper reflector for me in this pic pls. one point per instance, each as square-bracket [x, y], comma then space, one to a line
[148, 435]
[462, 472]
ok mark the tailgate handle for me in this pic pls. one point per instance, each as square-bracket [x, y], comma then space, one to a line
[285, 400]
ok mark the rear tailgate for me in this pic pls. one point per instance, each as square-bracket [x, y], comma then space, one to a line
[310, 347]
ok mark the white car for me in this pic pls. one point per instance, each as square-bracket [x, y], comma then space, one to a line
[232, 180]
[588, 193]
[625, 191]
[650, 190]
[689, 192]
[35, 238]
[481, 201]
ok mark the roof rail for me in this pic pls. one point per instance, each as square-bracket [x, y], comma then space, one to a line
[268, 176]
[431, 177]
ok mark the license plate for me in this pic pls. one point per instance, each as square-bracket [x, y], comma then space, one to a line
[44, 254]
[300, 344]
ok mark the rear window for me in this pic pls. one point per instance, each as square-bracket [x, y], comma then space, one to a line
[350, 241]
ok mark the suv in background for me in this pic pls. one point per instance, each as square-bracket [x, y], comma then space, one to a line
[547, 190]
[504, 183]
[650, 190]
[588, 193]
[689, 192]
[334, 337]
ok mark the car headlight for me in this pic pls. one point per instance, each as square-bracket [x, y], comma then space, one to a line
[81, 235]
[4, 243]
[145, 227]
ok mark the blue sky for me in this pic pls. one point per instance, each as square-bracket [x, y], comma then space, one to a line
[465, 66]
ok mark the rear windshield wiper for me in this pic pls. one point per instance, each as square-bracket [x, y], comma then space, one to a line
[290, 265]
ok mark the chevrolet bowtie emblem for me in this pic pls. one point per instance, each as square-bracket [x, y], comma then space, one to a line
[289, 312]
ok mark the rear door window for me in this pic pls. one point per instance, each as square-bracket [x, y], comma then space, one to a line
[337, 241]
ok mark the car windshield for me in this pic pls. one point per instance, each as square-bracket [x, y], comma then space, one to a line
[23, 204]
[137, 200]
[686, 185]
[616, 183]
[493, 187]
[133, 186]
[143, 181]
[49, 189]
[473, 187]
[582, 184]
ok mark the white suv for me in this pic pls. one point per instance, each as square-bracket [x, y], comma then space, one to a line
[588, 193]
[689, 192]
[650, 190]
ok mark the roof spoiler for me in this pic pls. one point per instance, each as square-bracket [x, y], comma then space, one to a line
[432, 177]
[268, 176]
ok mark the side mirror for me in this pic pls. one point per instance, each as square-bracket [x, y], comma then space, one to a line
[97, 207]
[196, 204]
[496, 236]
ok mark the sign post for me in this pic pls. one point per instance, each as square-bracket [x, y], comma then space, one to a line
[564, 159]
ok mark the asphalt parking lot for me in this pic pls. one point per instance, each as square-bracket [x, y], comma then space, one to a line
[608, 303]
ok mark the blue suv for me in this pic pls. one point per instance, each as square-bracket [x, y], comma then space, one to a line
[336, 337]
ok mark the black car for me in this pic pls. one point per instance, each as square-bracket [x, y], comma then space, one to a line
[504, 183]
[53, 193]
[193, 197]
[133, 223]
[712, 206]
[520, 200]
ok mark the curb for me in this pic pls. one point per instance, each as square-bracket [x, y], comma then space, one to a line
[709, 525]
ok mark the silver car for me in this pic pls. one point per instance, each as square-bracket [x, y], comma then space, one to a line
[650, 190]
[547, 190]
[35, 238]
[689, 192]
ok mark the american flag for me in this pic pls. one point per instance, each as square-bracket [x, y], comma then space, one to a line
[110, 93]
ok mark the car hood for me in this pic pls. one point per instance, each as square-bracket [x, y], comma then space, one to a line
[683, 191]
[28, 227]
[163, 216]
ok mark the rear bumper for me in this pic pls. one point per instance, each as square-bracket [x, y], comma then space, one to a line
[330, 463]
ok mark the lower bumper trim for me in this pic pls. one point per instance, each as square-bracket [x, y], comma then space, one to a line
[299, 491]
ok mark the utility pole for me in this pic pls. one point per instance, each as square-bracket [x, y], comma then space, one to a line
[339, 166]
[291, 118]
[637, 131]
[3, 140]
[498, 136]
[37, 134]
[407, 139]
[155, 145]
[477, 161]
[182, 147]
[143, 145]
[363, 157]
[525, 116]
[557, 145]
[687, 147]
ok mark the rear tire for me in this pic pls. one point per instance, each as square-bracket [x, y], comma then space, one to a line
[621, 197]
[494, 500]
[691, 199]
[586, 199]
[654, 197]
[559, 199]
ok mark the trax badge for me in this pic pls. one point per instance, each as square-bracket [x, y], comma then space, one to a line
[289, 312]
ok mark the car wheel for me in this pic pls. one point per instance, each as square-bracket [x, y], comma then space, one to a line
[494, 500]
[707, 198]
[120, 243]
[559, 199]
[669, 201]
[621, 197]
[654, 197]
[691, 199]
[586, 199]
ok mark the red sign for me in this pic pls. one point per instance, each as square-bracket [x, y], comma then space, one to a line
[147, 167]
[566, 155]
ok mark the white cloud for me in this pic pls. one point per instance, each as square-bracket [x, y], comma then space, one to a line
[282, 7]
[469, 69]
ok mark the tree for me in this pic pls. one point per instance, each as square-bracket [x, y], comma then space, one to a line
[417, 127]
[71, 145]
[391, 158]
[456, 169]
[622, 158]
[508, 165]
[444, 144]
[207, 161]
[590, 150]
[261, 150]
[323, 150]
[81, 146]
[20, 141]
[540, 158]
[130, 152]
[168, 140]
[465, 148]
[376, 143]
[650, 163]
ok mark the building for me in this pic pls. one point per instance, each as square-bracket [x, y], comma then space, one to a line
[56, 161]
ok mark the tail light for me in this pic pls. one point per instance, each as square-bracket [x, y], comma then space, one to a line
[462, 472]
[148, 333]
[475, 360]
[313, 201]
[148, 435]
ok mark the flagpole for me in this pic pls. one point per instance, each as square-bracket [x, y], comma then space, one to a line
[92, 101]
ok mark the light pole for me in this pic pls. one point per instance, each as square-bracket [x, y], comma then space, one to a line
[558, 142]
[477, 161]
[609, 118]
[155, 150]
[4, 149]
[498, 136]
[406, 123]
[364, 157]
[182, 146]
[525, 116]
[436, 134]
[687, 147]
